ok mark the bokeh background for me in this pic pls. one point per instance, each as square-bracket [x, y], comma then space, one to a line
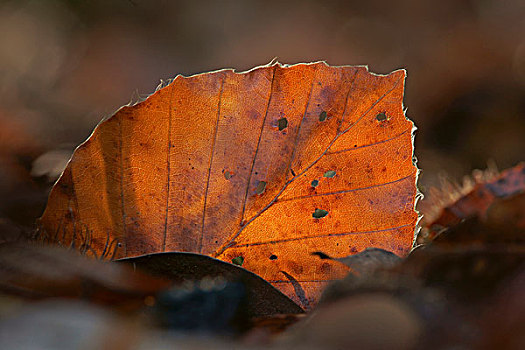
[65, 65]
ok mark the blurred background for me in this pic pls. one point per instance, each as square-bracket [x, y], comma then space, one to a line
[65, 65]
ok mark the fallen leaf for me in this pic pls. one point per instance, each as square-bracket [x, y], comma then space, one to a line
[261, 299]
[157, 176]
[503, 223]
[508, 211]
[475, 199]
[36, 272]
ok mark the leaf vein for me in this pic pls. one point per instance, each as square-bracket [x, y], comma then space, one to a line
[368, 145]
[284, 240]
[257, 147]
[294, 149]
[346, 99]
[122, 206]
[168, 171]
[233, 237]
[210, 164]
[346, 191]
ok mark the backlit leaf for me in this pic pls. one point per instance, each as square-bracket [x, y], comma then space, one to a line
[157, 176]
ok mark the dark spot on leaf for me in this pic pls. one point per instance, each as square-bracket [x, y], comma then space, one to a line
[381, 117]
[322, 116]
[261, 186]
[322, 255]
[329, 173]
[238, 260]
[293, 172]
[273, 257]
[282, 123]
[319, 213]
[315, 183]
[227, 175]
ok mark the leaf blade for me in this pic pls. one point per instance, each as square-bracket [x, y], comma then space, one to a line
[162, 185]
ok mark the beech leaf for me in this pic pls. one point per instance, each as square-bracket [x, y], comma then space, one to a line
[156, 176]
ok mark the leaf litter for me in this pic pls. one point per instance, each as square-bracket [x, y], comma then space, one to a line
[470, 273]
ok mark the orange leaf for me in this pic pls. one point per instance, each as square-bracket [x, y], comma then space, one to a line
[269, 165]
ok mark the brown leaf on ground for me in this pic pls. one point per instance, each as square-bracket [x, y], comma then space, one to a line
[269, 165]
[260, 297]
[490, 198]
[36, 272]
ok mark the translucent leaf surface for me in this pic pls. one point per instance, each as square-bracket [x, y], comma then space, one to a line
[224, 163]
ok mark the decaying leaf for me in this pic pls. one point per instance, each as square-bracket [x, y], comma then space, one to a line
[488, 196]
[261, 298]
[37, 272]
[234, 165]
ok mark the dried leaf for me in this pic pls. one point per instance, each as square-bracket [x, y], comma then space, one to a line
[490, 200]
[152, 177]
[262, 299]
[36, 272]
